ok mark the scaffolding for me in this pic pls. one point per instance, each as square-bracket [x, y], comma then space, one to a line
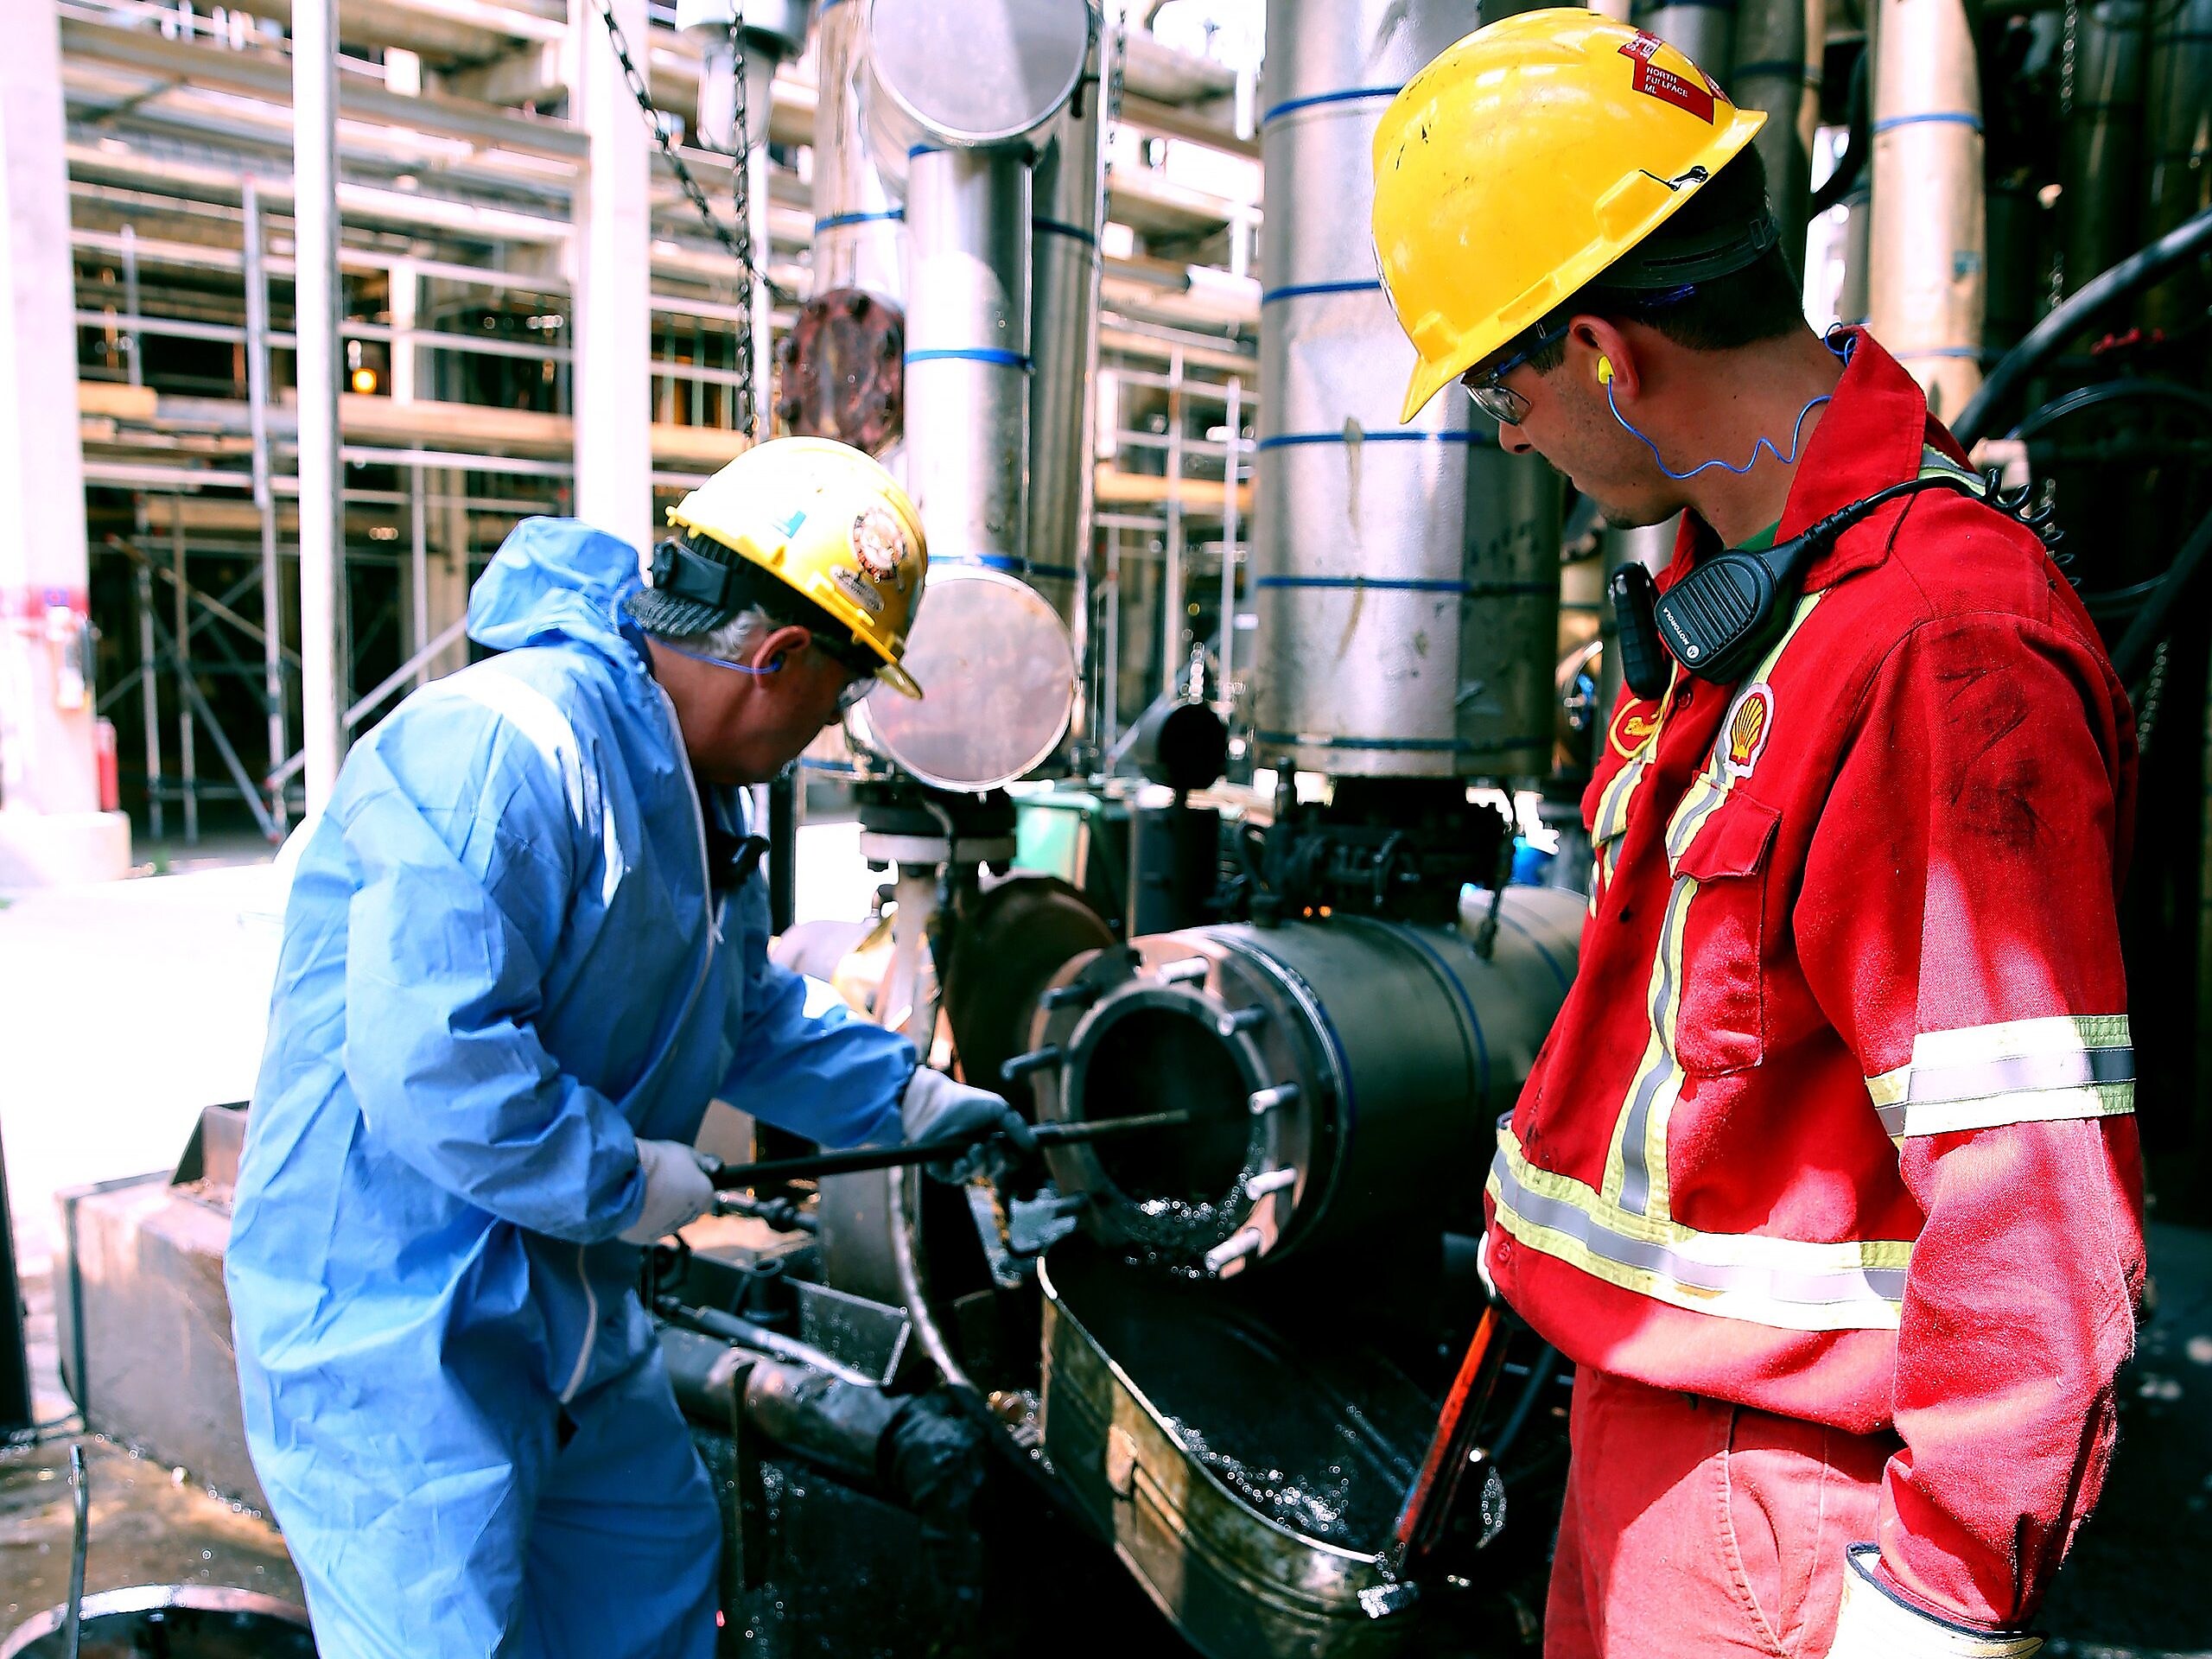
[458, 178]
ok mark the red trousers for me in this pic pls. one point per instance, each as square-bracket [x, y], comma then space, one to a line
[1694, 1527]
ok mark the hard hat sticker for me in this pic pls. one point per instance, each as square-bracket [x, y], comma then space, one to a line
[1750, 724]
[861, 593]
[878, 544]
[1665, 84]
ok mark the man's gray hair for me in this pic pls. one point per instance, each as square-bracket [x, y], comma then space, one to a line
[734, 641]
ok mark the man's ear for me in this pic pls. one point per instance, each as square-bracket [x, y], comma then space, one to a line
[1597, 347]
[783, 644]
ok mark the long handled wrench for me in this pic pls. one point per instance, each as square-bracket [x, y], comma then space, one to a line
[769, 1172]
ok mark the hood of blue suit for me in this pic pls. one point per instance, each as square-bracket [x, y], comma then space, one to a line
[555, 579]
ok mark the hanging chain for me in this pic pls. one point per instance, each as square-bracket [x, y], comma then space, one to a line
[742, 181]
[739, 245]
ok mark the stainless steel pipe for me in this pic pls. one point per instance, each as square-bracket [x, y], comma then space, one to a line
[967, 359]
[1406, 578]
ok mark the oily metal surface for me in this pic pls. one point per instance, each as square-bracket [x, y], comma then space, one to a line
[1248, 1481]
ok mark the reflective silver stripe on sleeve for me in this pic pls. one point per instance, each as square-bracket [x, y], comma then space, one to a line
[2021, 1071]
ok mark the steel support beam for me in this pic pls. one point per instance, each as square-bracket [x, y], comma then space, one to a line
[51, 829]
[611, 279]
[314, 216]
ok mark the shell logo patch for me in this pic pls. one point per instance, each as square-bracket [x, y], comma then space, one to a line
[1750, 722]
[1634, 726]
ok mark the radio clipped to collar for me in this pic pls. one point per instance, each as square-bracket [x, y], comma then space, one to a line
[1726, 613]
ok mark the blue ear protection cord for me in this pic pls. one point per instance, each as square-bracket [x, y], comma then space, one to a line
[1837, 342]
[774, 665]
[1606, 374]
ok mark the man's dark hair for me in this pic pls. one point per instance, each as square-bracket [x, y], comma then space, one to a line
[1763, 300]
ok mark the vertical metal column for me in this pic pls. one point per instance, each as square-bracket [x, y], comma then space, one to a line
[611, 278]
[1172, 603]
[968, 353]
[265, 497]
[47, 767]
[149, 701]
[418, 566]
[1768, 72]
[1926, 278]
[132, 341]
[1405, 577]
[188, 756]
[1232, 422]
[1066, 210]
[2100, 100]
[2177, 182]
[322, 510]
[857, 240]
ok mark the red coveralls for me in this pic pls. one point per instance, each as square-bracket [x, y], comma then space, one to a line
[1827, 1178]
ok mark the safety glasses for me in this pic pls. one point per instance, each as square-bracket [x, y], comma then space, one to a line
[856, 691]
[1501, 402]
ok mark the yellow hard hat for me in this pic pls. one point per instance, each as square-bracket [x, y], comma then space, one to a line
[1526, 159]
[825, 519]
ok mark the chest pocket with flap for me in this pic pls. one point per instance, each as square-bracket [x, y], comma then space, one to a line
[1716, 937]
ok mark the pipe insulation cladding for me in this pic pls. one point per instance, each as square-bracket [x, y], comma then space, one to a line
[1067, 208]
[1406, 578]
[1343, 1076]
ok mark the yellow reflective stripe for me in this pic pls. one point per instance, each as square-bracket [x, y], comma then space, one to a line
[1610, 819]
[1658, 1080]
[2019, 1071]
[1787, 1283]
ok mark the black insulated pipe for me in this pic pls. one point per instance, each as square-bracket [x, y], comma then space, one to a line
[2067, 320]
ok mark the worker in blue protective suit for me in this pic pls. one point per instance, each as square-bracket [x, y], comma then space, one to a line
[525, 947]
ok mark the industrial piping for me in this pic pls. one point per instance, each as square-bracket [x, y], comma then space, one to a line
[1406, 578]
[1926, 275]
[1067, 208]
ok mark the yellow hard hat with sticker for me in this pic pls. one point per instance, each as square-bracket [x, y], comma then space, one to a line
[1526, 160]
[826, 520]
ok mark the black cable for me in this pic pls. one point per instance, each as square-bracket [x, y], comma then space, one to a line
[2133, 653]
[2124, 278]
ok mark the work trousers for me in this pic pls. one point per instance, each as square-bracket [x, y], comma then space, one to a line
[1694, 1527]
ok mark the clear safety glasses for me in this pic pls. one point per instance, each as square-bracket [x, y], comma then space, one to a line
[1501, 402]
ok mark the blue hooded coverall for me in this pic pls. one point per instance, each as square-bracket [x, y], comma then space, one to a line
[498, 970]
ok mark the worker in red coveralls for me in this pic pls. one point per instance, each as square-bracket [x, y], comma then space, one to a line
[1827, 1178]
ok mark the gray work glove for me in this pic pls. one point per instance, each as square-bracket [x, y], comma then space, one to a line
[935, 1107]
[677, 1191]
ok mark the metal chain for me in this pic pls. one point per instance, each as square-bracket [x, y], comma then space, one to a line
[742, 181]
[738, 246]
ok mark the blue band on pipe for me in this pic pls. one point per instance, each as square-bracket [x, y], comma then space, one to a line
[836, 219]
[970, 354]
[1952, 117]
[1014, 567]
[914, 151]
[1343, 95]
[1299, 291]
[1285, 440]
[1059, 227]
[1407, 584]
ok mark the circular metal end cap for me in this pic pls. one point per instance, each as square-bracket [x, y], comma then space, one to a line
[975, 75]
[1001, 672]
